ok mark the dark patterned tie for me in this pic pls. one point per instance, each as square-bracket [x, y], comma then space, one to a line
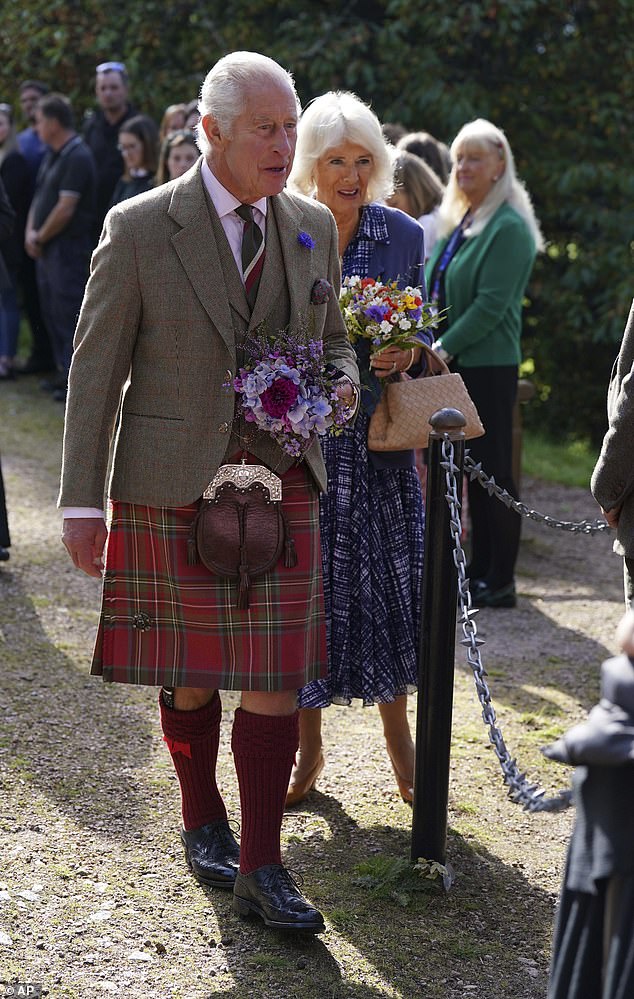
[252, 253]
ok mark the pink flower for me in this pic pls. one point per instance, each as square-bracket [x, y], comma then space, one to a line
[279, 398]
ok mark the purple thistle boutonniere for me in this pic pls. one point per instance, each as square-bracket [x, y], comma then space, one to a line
[304, 239]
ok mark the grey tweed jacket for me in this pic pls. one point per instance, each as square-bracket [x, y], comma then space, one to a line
[160, 330]
[612, 482]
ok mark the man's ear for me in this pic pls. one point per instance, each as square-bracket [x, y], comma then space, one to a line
[212, 130]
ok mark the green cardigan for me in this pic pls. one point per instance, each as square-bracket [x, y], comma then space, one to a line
[484, 288]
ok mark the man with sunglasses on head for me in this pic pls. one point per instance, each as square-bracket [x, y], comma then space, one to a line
[101, 132]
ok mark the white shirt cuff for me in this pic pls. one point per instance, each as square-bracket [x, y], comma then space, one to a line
[71, 512]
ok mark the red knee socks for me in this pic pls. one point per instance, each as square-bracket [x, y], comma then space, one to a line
[264, 748]
[192, 738]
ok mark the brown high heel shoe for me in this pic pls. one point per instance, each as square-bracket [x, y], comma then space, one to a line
[405, 787]
[297, 791]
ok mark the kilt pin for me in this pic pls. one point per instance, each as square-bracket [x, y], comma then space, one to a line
[161, 330]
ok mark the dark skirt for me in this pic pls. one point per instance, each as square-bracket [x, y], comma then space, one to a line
[593, 949]
[371, 523]
[164, 622]
[593, 953]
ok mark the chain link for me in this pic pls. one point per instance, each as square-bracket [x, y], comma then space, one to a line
[521, 790]
[575, 527]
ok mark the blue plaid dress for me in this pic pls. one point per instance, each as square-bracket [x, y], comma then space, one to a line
[371, 525]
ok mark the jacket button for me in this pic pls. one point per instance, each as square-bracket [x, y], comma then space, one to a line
[228, 375]
[223, 428]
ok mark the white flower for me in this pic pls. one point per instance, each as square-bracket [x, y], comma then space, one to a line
[404, 324]
[386, 327]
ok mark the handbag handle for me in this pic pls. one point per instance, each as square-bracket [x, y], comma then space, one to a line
[431, 355]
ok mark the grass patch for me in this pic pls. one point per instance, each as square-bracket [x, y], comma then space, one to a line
[568, 463]
[269, 961]
[396, 879]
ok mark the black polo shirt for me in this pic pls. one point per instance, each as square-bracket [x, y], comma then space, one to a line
[69, 170]
[102, 137]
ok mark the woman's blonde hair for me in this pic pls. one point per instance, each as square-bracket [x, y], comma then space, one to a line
[484, 136]
[328, 121]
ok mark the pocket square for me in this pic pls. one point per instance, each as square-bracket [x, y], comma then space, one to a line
[320, 292]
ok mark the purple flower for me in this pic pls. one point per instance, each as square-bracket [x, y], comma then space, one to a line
[376, 313]
[279, 398]
[304, 239]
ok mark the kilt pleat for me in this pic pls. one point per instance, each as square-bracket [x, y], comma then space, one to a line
[164, 622]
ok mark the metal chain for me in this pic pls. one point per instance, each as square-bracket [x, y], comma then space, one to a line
[521, 790]
[576, 527]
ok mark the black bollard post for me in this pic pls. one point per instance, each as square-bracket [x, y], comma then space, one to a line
[437, 649]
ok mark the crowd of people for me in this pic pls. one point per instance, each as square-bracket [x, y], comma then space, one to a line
[61, 180]
[189, 271]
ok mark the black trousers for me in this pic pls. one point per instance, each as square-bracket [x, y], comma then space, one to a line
[495, 534]
[5, 540]
[41, 351]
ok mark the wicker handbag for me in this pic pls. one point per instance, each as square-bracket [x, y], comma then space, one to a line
[400, 422]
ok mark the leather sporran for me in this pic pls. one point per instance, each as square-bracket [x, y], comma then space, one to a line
[400, 422]
[240, 530]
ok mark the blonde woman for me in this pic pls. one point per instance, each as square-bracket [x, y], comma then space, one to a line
[488, 239]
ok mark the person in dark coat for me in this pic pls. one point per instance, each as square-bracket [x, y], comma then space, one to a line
[139, 145]
[7, 219]
[101, 133]
[593, 952]
[7, 222]
[13, 172]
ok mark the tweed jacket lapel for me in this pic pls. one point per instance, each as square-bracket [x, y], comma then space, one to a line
[199, 251]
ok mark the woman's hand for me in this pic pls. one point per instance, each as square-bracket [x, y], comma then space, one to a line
[392, 359]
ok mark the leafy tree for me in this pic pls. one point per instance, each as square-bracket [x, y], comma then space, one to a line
[556, 75]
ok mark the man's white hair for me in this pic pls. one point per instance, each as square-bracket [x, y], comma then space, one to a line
[224, 89]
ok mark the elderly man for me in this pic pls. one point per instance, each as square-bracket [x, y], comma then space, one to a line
[167, 308]
[612, 481]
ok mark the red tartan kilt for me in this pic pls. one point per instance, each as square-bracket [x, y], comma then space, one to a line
[164, 622]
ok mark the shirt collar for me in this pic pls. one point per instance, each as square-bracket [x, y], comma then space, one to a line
[223, 200]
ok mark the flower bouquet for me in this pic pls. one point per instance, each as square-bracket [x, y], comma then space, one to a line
[287, 391]
[384, 314]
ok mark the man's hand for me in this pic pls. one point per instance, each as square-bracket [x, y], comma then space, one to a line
[32, 245]
[345, 389]
[612, 516]
[84, 538]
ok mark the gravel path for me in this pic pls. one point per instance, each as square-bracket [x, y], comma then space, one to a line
[94, 896]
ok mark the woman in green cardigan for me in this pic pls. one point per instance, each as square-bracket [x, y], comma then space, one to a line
[478, 272]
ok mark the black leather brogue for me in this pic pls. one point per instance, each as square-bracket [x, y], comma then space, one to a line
[271, 893]
[212, 854]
